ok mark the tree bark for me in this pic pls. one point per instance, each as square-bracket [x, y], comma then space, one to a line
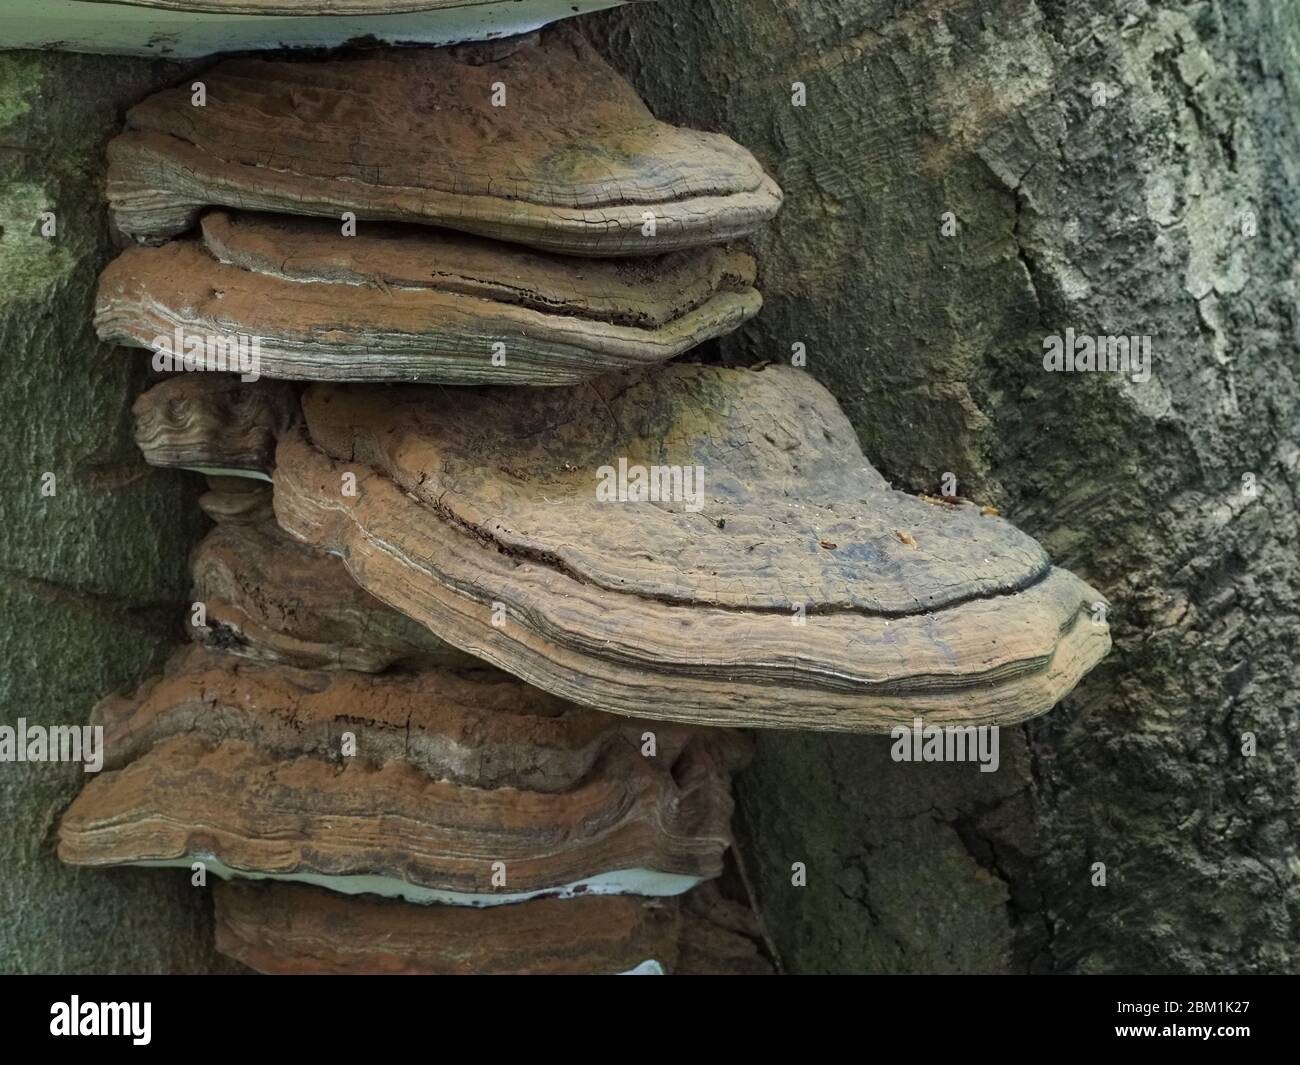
[92, 576]
[1128, 213]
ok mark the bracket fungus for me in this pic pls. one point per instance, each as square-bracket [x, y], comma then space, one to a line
[464, 789]
[680, 607]
[421, 135]
[237, 501]
[213, 424]
[295, 929]
[410, 303]
[680, 545]
[270, 598]
[202, 27]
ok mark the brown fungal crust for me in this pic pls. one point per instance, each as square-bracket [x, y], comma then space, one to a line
[412, 135]
[404, 303]
[239, 764]
[474, 726]
[213, 422]
[658, 610]
[237, 501]
[644, 293]
[271, 598]
[296, 929]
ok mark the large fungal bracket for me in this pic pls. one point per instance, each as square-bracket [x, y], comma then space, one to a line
[426, 144]
[683, 608]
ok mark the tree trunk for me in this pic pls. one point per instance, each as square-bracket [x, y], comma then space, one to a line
[1112, 167]
[1107, 164]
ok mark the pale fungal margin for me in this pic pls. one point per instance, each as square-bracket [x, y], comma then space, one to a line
[227, 471]
[205, 27]
[644, 882]
[657, 610]
[649, 967]
[409, 303]
[425, 144]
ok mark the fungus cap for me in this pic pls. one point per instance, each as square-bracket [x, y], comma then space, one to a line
[414, 135]
[460, 791]
[790, 588]
[407, 303]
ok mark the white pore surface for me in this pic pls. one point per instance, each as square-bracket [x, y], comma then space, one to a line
[223, 471]
[123, 28]
[620, 882]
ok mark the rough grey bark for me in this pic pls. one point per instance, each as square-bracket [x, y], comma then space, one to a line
[1125, 218]
[92, 578]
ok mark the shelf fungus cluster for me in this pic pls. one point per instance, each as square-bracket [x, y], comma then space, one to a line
[439, 215]
[366, 794]
[460, 787]
[386, 787]
[468, 666]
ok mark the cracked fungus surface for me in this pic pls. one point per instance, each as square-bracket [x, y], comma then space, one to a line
[469, 506]
[407, 303]
[425, 144]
